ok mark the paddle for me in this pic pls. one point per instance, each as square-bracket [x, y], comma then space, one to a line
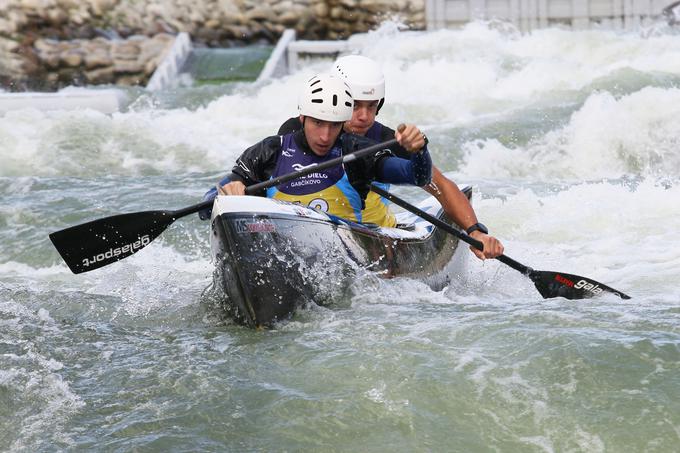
[98, 243]
[548, 283]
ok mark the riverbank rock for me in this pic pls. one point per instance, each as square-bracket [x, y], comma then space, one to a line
[50, 43]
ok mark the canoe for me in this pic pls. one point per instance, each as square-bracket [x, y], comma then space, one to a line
[272, 257]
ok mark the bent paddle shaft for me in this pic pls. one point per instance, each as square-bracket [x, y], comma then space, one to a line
[98, 243]
[548, 283]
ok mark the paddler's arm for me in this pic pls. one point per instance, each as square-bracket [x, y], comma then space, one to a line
[255, 164]
[458, 208]
[211, 194]
[417, 170]
[453, 201]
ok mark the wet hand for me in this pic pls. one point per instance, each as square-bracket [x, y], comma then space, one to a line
[492, 246]
[232, 188]
[410, 137]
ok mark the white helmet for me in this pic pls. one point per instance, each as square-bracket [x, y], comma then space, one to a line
[326, 97]
[364, 77]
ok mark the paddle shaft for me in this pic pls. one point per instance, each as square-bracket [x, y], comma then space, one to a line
[290, 176]
[448, 228]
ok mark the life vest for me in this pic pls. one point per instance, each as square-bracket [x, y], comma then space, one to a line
[328, 190]
[377, 208]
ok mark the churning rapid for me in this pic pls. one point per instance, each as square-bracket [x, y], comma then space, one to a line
[571, 140]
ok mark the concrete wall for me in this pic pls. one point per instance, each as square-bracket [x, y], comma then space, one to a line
[528, 15]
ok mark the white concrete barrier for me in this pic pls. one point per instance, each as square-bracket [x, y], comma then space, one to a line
[105, 100]
[277, 63]
[296, 48]
[167, 73]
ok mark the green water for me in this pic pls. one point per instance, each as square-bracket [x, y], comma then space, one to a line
[573, 154]
[215, 66]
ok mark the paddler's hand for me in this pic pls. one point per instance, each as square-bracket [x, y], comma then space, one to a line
[232, 188]
[410, 137]
[492, 246]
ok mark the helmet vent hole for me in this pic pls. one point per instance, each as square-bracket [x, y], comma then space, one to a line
[335, 99]
[317, 101]
[317, 90]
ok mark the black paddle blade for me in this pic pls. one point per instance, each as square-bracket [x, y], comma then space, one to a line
[558, 284]
[95, 244]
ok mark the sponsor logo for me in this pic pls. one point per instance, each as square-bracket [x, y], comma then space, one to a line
[564, 280]
[305, 182]
[371, 91]
[288, 152]
[299, 167]
[116, 252]
[243, 166]
[319, 204]
[582, 284]
[248, 226]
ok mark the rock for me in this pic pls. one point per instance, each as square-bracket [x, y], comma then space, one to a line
[8, 27]
[8, 45]
[153, 50]
[150, 67]
[124, 50]
[128, 66]
[130, 80]
[100, 76]
[12, 65]
[275, 29]
[289, 19]
[51, 60]
[321, 10]
[196, 17]
[260, 14]
[282, 7]
[98, 59]
[45, 45]
[72, 58]
[337, 12]
[232, 18]
[373, 6]
[57, 17]
[35, 5]
[237, 31]
[99, 7]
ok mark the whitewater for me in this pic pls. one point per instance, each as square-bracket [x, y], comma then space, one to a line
[571, 142]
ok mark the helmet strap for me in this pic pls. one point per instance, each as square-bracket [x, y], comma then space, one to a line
[380, 104]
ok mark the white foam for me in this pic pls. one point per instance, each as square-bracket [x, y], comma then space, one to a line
[607, 137]
[436, 78]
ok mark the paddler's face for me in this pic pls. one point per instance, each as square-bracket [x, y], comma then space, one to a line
[363, 117]
[320, 134]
